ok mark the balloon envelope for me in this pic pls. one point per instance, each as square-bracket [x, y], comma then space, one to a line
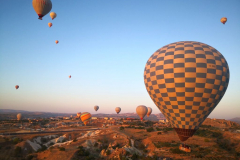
[141, 111]
[19, 116]
[85, 117]
[42, 7]
[70, 76]
[78, 114]
[96, 108]
[118, 110]
[149, 111]
[50, 24]
[186, 80]
[53, 15]
[17, 86]
[56, 41]
[223, 20]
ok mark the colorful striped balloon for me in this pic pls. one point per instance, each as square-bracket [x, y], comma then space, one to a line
[85, 117]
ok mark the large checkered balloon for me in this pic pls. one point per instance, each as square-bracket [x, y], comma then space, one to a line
[186, 80]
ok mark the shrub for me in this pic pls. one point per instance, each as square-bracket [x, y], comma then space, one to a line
[95, 144]
[105, 141]
[159, 133]
[206, 140]
[121, 128]
[16, 140]
[43, 140]
[29, 157]
[176, 151]
[89, 158]
[108, 152]
[61, 149]
[74, 140]
[51, 143]
[162, 144]
[17, 151]
[150, 129]
[42, 149]
[141, 146]
[82, 151]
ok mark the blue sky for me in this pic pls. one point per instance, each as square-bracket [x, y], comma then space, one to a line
[104, 45]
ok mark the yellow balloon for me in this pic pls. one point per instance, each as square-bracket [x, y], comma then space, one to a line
[53, 15]
[50, 24]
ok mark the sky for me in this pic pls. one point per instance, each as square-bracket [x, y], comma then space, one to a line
[104, 45]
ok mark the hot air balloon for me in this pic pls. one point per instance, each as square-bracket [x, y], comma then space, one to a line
[19, 116]
[50, 24]
[53, 15]
[141, 111]
[223, 20]
[69, 76]
[149, 111]
[85, 117]
[17, 86]
[96, 108]
[78, 114]
[186, 80]
[42, 7]
[56, 41]
[118, 110]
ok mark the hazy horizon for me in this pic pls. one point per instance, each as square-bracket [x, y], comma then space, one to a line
[104, 45]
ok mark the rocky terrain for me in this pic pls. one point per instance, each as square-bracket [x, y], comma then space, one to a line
[219, 139]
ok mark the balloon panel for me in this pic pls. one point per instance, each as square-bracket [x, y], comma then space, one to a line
[186, 80]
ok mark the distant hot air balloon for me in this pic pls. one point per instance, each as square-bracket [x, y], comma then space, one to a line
[69, 76]
[78, 114]
[53, 15]
[17, 86]
[56, 41]
[186, 80]
[141, 111]
[223, 20]
[96, 108]
[50, 24]
[42, 7]
[118, 110]
[149, 111]
[85, 117]
[19, 116]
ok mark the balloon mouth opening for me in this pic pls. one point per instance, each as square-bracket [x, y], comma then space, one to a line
[40, 16]
[184, 134]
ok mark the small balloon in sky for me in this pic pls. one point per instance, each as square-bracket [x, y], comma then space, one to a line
[19, 116]
[50, 24]
[56, 41]
[141, 111]
[149, 111]
[118, 110]
[42, 7]
[223, 20]
[53, 15]
[96, 108]
[17, 86]
[69, 76]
